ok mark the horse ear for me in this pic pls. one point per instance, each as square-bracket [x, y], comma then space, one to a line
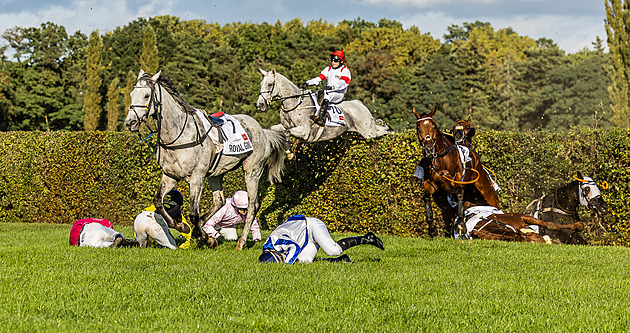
[469, 121]
[155, 77]
[262, 71]
[140, 74]
[416, 113]
[432, 112]
[579, 175]
[273, 71]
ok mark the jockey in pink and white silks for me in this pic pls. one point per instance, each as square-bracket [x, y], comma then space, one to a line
[337, 77]
[300, 237]
[227, 217]
[96, 232]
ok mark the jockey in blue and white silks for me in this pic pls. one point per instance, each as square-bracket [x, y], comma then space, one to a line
[300, 237]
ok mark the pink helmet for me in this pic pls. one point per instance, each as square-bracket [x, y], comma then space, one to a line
[240, 199]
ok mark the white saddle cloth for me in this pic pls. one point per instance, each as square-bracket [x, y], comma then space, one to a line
[334, 115]
[236, 139]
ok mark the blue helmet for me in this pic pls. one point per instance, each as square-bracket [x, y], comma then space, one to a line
[270, 256]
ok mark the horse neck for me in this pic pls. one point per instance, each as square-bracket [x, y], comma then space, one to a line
[174, 117]
[566, 197]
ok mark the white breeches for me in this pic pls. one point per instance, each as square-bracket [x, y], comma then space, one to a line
[97, 235]
[318, 236]
[229, 233]
[150, 224]
[333, 96]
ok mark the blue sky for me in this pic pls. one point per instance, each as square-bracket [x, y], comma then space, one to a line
[572, 24]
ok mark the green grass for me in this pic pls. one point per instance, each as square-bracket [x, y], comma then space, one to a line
[414, 285]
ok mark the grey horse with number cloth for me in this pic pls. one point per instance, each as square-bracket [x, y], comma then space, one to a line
[187, 151]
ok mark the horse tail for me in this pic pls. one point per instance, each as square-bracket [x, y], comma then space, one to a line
[276, 141]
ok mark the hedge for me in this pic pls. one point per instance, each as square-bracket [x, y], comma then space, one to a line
[352, 184]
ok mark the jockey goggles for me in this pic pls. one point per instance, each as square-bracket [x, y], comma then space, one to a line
[335, 58]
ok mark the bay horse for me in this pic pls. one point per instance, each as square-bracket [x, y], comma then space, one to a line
[185, 152]
[463, 132]
[445, 173]
[488, 222]
[561, 206]
[297, 106]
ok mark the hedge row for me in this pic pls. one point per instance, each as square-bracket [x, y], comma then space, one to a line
[352, 184]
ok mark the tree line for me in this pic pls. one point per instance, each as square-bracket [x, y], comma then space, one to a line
[50, 80]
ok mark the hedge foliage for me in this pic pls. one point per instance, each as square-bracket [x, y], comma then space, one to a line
[353, 184]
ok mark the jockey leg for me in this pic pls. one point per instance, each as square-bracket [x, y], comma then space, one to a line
[320, 118]
[368, 238]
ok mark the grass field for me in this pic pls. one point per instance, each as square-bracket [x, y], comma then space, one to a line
[414, 285]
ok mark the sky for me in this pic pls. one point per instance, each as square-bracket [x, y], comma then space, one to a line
[572, 24]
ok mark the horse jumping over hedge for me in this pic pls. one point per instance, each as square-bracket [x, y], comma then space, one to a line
[186, 151]
[297, 106]
[446, 174]
[561, 206]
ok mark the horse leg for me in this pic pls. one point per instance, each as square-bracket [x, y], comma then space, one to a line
[166, 184]
[429, 213]
[551, 225]
[252, 179]
[218, 200]
[461, 226]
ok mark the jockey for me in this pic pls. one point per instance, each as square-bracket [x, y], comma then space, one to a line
[337, 77]
[151, 225]
[227, 217]
[95, 232]
[299, 238]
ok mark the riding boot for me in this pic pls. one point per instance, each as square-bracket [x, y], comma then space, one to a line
[320, 118]
[341, 258]
[368, 238]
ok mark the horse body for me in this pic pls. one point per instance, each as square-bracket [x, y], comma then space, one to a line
[446, 174]
[561, 206]
[515, 227]
[297, 106]
[185, 152]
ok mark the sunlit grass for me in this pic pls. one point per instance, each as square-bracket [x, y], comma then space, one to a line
[416, 284]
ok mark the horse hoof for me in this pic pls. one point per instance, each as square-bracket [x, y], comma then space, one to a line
[212, 243]
[579, 226]
[290, 156]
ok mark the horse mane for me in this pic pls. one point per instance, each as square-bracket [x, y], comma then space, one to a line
[169, 86]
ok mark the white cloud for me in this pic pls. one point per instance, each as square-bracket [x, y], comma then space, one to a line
[571, 34]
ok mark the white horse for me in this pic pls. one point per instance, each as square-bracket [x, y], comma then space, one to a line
[186, 152]
[297, 106]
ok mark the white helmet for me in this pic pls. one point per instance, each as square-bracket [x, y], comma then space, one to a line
[240, 199]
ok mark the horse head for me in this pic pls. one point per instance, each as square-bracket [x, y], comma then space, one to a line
[143, 100]
[463, 131]
[427, 130]
[590, 195]
[267, 88]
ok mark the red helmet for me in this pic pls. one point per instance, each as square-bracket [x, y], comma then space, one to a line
[339, 54]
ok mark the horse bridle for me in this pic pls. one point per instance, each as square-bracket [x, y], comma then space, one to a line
[430, 151]
[281, 99]
[156, 103]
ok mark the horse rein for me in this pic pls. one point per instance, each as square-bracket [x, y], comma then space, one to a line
[430, 152]
[282, 99]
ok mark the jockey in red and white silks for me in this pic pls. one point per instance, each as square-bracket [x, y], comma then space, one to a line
[337, 76]
[227, 217]
[93, 232]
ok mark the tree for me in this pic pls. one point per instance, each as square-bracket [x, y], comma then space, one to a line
[113, 107]
[149, 58]
[92, 101]
[618, 32]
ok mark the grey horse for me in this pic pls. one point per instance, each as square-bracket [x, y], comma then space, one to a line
[297, 106]
[185, 152]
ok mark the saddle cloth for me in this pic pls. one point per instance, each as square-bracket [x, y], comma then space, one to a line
[334, 115]
[474, 215]
[235, 138]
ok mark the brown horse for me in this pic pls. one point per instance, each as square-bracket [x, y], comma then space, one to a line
[490, 223]
[463, 132]
[445, 174]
